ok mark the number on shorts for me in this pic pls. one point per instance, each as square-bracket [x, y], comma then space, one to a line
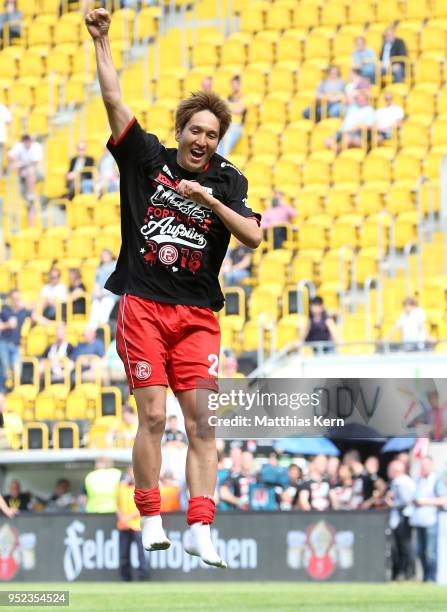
[214, 365]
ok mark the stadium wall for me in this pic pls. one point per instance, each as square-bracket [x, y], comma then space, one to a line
[324, 546]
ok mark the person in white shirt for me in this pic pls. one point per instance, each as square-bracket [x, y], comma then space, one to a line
[388, 117]
[412, 326]
[25, 158]
[5, 118]
[360, 116]
[51, 293]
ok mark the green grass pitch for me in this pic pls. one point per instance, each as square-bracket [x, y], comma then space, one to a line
[244, 596]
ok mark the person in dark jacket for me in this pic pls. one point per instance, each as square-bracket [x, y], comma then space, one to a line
[320, 327]
[80, 166]
[393, 48]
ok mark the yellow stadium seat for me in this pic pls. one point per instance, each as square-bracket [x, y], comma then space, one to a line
[35, 436]
[438, 133]
[9, 66]
[429, 69]
[282, 80]
[50, 403]
[406, 167]
[122, 25]
[259, 173]
[433, 38]
[39, 33]
[310, 200]
[339, 202]
[361, 12]
[234, 52]
[345, 231]
[22, 93]
[306, 15]
[417, 9]
[374, 232]
[439, 9]
[388, 11]
[22, 399]
[366, 264]
[82, 402]
[346, 170]
[147, 22]
[405, 229]
[279, 17]
[205, 54]
[65, 435]
[334, 13]
[296, 139]
[414, 134]
[432, 167]
[316, 172]
[264, 302]
[311, 73]
[253, 17]
[261, 52]
[311, 235]
[289, 51]
[376, 169]
[287, 172]
[401, 198]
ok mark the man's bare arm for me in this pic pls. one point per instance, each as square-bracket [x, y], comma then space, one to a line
[119, 114]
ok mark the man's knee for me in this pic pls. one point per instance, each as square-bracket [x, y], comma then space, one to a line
[151, 413]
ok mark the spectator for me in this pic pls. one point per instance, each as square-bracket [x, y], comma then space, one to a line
[103, 300]
[375, 487]
[5, 118]
[399, 499]
[430, 497]
[362, 486]
[170, 492]
[412, 326]
[238, 114]
[357, 83]
[330, 94]
[10, 23]
[91, 348]
[108, 174]
[320, 327]
[62, 499]
[112, 371]
[237, 264]
[54, 292]
[12, 317]
[228, 365]
[359, 116]
[278, 212]
[17, 499]
[128, 525]
[76, 291]
[7, 511]
[393, 49]
[437, 416]
[333, 463]
[289, 496]
[80, 169]
[26, 157]
[314, 492]
[57, 357]
[235, 491]
[388, 117]
[100, 489]
[172, 434]
[364, 59]
[207, 84]
[342, 493]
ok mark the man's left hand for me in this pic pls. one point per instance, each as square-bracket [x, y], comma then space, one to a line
[196, 192]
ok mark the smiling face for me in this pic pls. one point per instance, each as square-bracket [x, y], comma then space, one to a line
[197, 141]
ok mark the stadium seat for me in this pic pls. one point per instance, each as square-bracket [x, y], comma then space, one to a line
[361, 12]
[110, 403]
[50, 403]
[306, 15]
[35, 436]
[65, 434]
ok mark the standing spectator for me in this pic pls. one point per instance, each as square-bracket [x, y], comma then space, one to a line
[430, 497]
[7, 511]
[412, 325]
[238, 113]
[333, 464]
[364, 59]
[10, 23]
[76, 291]
[400, 499]
[5, 118]
[235, 490]
[361, 482]
[62, 499]
[16, 498]
[342, 493]
[237, 264]
[374, 486]
[388, 117]
[128, 524]
[330, 92]
[26, 157]
[314, 492]
[278, 212]
[289, 496]
[100, 489]
[393, 49]
[57, 356]
[103, 300]
[320, 326]
[172, 434]
[360, 116]
[108, 174]
[80, 168]
[55, 291]
[12, 317]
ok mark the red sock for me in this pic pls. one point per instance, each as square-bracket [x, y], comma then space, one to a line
[148, 501]
[201, 510]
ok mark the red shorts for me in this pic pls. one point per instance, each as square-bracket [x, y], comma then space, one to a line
[167, 344]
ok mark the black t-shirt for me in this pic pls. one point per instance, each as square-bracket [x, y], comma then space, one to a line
[22, 502]
[172, 248]
[362, 487]
[318, 493]
[239, 486]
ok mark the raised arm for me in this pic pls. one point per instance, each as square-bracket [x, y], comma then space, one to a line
[98, 24]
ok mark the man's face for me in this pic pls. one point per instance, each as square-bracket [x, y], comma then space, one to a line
[198, 141]
[390, 35]
[14, 488]
[54, 277]
[426, 466]
[15, 299]
[388, 99]
[360, 43]
[60, 332]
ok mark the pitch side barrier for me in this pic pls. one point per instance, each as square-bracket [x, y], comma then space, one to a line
[295, 546]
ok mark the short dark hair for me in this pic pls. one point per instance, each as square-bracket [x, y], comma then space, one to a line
[200, 101]
[316, 301]
[26, 138]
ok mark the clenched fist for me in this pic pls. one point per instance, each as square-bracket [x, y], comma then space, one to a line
[98, 23]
